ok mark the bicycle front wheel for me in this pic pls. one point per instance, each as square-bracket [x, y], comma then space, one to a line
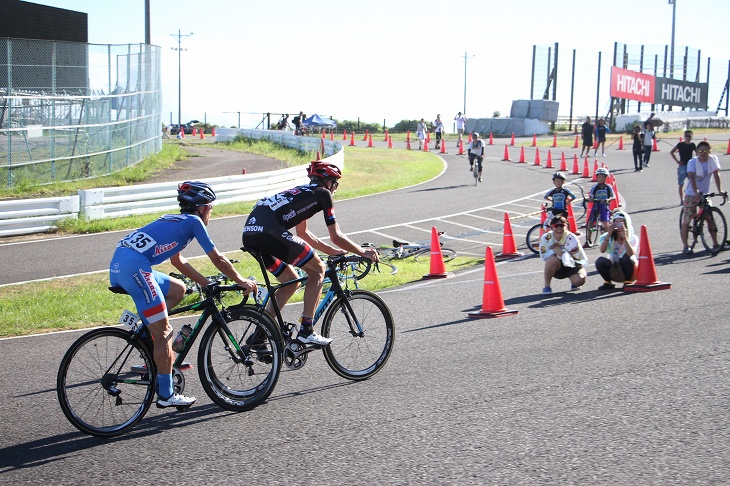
[533, 238]
[240, 381]
[97, 389]
[425, 255]
[357, 353]
[713, 225]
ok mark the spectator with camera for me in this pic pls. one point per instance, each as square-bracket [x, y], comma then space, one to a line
[618, 247]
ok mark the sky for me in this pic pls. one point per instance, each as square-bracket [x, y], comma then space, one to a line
[384, 61]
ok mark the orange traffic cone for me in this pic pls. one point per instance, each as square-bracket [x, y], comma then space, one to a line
[408, 136]
[344, 135]
[425, 145]
[555, 140]
[534, 140]
[438, 269]
[318, 156]
[212, 132]
[352, 139]
[370, 140]
[428, 137]
[621, 143]
[195, 132]
[324, 132]
[654, 148]
[443, 147]
[576, 169]
[181, 133]
[522, 155]
[491, 139]
[575, 145]
[390, 142]
[595, 144]
[509, 249]
[563, 162]
[586, 172]
[365, 138]
[728, 148]
[647, 280]
[506, 154]
[537, 157]
[616, 203]
[386, 136]
[461, 148]
[470, 139]
[572, 226]
[201, 134]
[595, 169]
[512, 141]
[549, 164]
[332, 134]
[492, 301]
[408, 144]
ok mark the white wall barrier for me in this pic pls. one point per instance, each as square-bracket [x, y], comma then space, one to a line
[26, 216]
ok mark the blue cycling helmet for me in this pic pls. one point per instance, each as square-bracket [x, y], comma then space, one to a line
[191, 194]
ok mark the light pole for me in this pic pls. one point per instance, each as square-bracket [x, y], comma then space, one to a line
[239, 117]
[673, 3]
[465, 58]
[179, 38]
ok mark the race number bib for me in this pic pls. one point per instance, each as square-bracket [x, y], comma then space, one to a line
[139, 241]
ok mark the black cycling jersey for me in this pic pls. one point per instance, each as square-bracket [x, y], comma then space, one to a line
[291, 207]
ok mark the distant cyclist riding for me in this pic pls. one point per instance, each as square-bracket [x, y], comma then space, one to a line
[475, 149]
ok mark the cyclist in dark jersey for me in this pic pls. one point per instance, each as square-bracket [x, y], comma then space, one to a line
[267, 230]
[559, 196]
[152, 291]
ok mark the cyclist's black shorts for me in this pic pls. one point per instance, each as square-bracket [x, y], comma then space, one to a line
[278, 246]
[479, 158]
[559, 212]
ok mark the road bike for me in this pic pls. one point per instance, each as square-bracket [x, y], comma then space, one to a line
[359, 322]
[420, 253]
[192, 287]
[476, 162]
[705, 222]
[106, 380]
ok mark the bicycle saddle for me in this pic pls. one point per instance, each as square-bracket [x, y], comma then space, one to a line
[398, 244]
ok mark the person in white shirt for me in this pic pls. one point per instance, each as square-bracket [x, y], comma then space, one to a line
[700, 170]
[475, 149]
[421, 130]
[460, 124]
[563, 255]
[438, 127]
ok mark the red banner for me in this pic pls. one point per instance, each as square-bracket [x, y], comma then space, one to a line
[631, 85]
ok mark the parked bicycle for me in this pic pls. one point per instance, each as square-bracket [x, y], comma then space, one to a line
[420, 253]
[594, 226]
[535, 233]
[358, 321]
[106, 381]
[708, 224]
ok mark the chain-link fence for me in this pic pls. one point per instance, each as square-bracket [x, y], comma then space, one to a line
[70, 110]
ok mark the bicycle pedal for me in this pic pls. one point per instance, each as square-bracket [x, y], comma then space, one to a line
[185, 367]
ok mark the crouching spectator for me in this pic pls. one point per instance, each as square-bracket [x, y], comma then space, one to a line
[563, 255]
[619, 247]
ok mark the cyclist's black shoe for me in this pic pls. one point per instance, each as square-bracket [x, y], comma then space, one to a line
[257, 342]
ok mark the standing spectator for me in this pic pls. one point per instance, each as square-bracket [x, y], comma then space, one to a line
[687, 149]
[618, 247]
[700, 170]
[298, 121]
[460, 124]
[638, 148]
[563, 256]
[421, 130]
[601, 131]
[648, 141]
[283, 122]
[587, 132]
[438, 127]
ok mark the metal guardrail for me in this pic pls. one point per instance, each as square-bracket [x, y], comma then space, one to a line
[26, 216]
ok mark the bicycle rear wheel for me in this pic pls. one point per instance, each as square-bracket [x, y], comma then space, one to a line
[714, 220]
[97, 390]
[425, 255]
[533, 238]
[476, 173]
[351, 354]
[236, 382]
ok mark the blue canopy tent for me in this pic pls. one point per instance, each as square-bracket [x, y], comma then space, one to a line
[316, 121]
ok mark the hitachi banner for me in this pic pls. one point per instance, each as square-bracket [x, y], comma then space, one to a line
[631, 85]
[681, 93]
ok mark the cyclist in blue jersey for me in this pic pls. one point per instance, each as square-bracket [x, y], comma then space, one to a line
[267, 230]
[559, 196]
[601, 195]
[153, 292]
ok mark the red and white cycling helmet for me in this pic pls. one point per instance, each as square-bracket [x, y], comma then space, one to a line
[323, 170]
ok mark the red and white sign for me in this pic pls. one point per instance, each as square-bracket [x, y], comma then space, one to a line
[632, 85]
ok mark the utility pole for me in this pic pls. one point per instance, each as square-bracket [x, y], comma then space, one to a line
[179, 38]
[673, 3]
[465, 58]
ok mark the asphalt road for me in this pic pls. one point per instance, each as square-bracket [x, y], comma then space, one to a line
[577, 388]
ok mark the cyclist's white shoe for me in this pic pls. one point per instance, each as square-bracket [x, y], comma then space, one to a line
[314, 338]
[176, 400]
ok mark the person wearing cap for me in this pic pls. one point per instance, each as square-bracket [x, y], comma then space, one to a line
[618, 247]
[438, 127]
[460, 124]
[563, 255]
[559, 196]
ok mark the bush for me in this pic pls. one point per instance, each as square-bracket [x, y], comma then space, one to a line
[354, 126]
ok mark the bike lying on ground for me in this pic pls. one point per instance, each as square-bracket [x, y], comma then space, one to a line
[705, 222]
[106, 381]
[358, 321]
[420, 253]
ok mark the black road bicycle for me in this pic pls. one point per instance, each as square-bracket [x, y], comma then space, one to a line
[705, 222]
